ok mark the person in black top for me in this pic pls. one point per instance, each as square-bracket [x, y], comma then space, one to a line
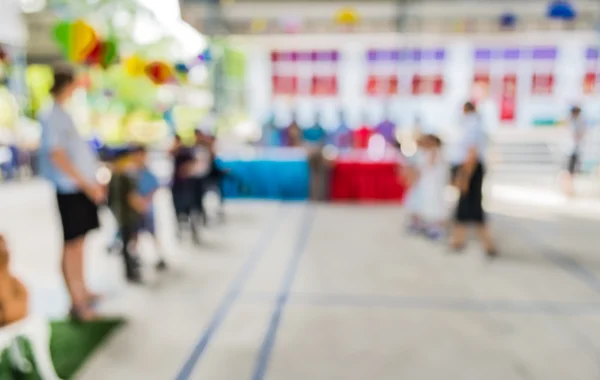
[216, 175]
[200, 176]
[183, 160]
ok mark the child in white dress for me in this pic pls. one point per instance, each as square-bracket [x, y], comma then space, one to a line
[427, 177]
[433, 181]
[411, 174]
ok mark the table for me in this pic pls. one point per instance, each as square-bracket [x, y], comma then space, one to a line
[357, 177]
[270, 174]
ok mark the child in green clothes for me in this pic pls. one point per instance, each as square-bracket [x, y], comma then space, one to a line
[128, 205]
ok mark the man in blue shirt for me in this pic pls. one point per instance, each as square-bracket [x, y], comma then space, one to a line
[68, 162]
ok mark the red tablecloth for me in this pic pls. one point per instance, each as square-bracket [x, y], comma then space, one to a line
[366, 181]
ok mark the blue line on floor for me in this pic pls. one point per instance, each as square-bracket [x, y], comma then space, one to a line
[432, 303]
[266, 348]
[233, 293]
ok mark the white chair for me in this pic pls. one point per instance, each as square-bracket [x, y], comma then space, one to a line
[37, 331]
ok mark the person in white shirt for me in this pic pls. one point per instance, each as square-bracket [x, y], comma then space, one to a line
[468, 172]
[577, 131]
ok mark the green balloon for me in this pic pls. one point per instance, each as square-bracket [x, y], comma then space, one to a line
[109, 53]
[62, 34]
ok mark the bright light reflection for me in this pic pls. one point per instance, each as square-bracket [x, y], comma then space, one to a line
[376, 147]
[408, 148]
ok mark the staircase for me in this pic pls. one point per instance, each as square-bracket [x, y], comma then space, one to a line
[538, 157]
[525, 159]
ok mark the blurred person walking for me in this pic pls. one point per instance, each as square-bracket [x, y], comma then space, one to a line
[577, 132]
[147, 185]
[70, 164]
[129, 206]
[434, 177]
[181, 184]
[189, 165]
[468, 171]
[201, 170]
[427, 176]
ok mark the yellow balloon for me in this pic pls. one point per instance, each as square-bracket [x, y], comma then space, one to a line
[135, 66]
[347, 16]
[258, 25]
[83, 40]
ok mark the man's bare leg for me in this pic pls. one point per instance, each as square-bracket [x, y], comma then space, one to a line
[72, 268]
[458, 237]
[568, 185]
[485, 236]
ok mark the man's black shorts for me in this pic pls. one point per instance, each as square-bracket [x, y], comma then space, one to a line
[78, 214]
[573, 164]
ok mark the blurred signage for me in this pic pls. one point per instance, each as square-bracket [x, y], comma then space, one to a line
[508, 99]
[382, 77]
[305, 73]
[429, 76]
[496, 78]
[590, 80]
[498, 71]
[543, 62]
[405, 71]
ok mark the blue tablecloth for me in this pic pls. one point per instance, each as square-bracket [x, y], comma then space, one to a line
[266, 178]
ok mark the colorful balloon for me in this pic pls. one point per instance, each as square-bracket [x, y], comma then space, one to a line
[347, 16]
[135, 66]
[77, 40]
[61, 33]
[181, 68]
[159, 72]
[83, 39]
[108, 54]
[205, 56]
[94, 57]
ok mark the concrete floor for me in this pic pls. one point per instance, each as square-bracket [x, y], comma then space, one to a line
[325, 292]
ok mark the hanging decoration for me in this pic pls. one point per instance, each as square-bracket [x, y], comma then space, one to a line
[77, 39]
[561, 10]
[181, 68]
[181, 72]
[80, 44]
[508, 21]
[205, 56]
[108, 53]
[347, 16]
[104, 54]
[258, 25]
[159, 72]
[135, 66]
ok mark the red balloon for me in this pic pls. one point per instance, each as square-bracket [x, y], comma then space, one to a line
[95, 54]
[159, 72]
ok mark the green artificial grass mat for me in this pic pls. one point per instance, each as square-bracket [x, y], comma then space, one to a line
[71, 345]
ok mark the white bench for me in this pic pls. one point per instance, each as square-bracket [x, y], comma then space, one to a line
[37, 331]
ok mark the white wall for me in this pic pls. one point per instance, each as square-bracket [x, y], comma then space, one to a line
[382, 9]
[436, 112]
[12, 27]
